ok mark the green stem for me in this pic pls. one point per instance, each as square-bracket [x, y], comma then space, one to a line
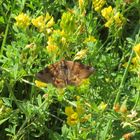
[5, 36]
[21, 129]
[137, 100]
[7, 29]
[106, 130]
[123, 79]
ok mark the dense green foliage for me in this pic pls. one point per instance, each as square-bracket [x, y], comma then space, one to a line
[103, 34]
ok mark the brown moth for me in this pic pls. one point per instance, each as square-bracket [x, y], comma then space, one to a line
[64, 73]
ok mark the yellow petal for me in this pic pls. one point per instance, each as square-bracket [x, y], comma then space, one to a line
[69, 110]
[40, 84]
[136, 49]
[80, 54]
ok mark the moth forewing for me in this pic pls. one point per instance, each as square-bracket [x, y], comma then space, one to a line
[45, 75]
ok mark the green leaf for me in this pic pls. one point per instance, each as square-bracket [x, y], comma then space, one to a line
[1, 19]
[7, 102]
[2, 121]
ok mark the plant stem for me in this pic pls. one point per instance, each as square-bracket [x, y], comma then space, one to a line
[5, 35]
[7, 29]
[137, 100]
[107, 129]
[123, 79]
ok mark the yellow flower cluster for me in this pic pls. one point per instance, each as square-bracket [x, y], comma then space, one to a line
[119, 19]
[39, 22]
[72, 118]
[43, 23]
[57, 37]
[51, 47]
[90, 39]
[75, 116]
[112, 17]
[107, 13]
[135, 62]
[22, 20]
[98, 4]
[68, 23]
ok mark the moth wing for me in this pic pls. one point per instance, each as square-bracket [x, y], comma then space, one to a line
[52, 74]
[77, 72]
[45, 75]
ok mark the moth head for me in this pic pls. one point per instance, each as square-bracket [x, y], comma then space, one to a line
[85, 71]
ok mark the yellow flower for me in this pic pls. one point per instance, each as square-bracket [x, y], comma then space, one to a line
[102, 106]
[69, 110]
[112, 17]
[49, 30]
[123, 107]
[134, 63]
[68, 22]
[107, 12]
[78, 97]
[57, 31]
[81, 4]
[39, 23]
[51, 45]
[62, 32]
[85, 82]
[52, 48]
[80, 110]
[50, 41]
[86, 118]
[84, 85]
[30, 46]
[63, 40]
[119, 19]
[109, 22]
[40, 84]
[50, 23]
[81, 54]
[134, 60]
[47, 17]
[22, 20]
[90, 39]
[125, 64]
[98, 4]
[73, 119]
[136, 49]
